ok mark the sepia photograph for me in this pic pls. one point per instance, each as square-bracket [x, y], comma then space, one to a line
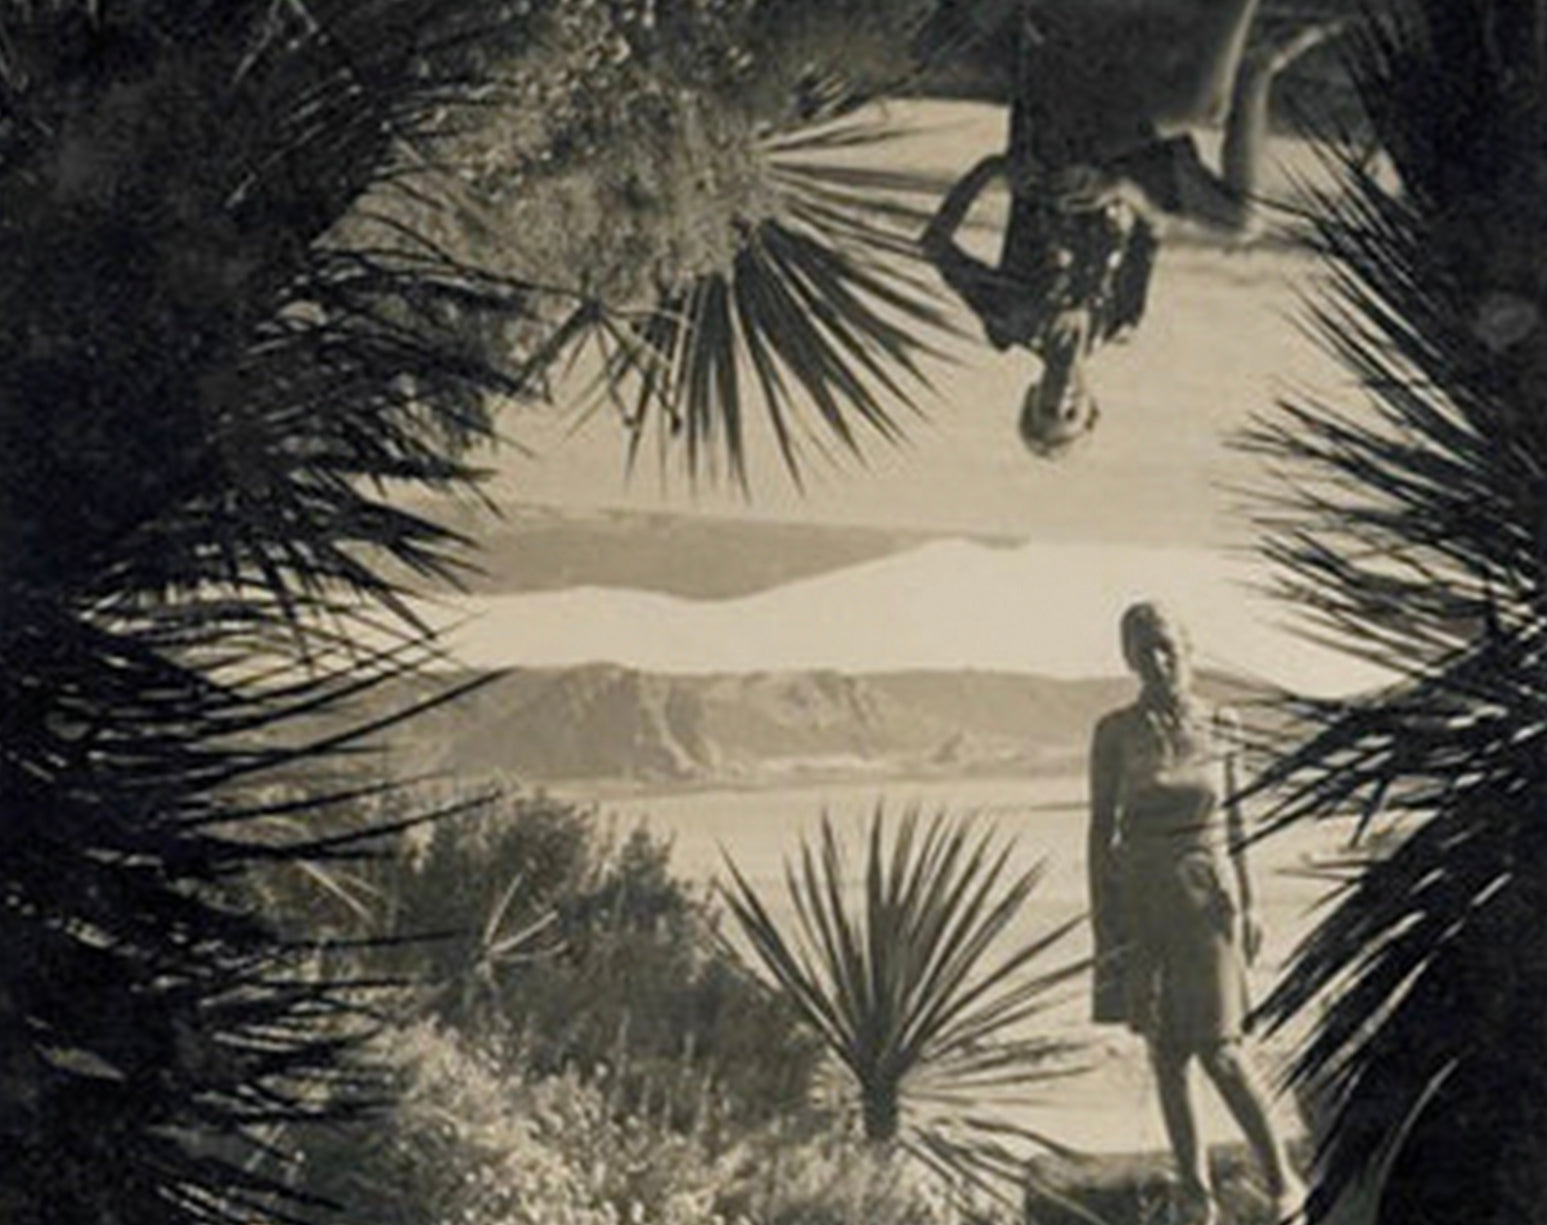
[773, 612]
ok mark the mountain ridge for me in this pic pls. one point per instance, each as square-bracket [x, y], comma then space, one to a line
[609, 724]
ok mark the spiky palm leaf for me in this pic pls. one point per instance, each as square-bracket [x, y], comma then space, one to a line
[1413, 527]
[223, 369]
[916, 991]
[158, 1030]
[211, 385]
[818, 324]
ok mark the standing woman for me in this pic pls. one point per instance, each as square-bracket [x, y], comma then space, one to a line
[1172, 899]
[1100, 163]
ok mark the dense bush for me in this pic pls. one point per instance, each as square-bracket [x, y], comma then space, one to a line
[528, 924]
[476, 1140]
[580, 950]
[473, 1141]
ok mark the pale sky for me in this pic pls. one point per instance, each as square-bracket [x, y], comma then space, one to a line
[1048, 609]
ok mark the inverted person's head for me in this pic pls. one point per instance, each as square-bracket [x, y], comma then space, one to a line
[1058, 408]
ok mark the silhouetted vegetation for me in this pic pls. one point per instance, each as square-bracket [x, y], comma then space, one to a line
[1411, 524]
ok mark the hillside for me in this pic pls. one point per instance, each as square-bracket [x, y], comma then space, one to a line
[606, 723]
[700, 556]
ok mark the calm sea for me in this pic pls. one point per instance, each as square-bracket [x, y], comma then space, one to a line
[1042, 820]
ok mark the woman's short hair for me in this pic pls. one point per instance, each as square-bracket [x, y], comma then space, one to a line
[1143, 619]
[1053, 434]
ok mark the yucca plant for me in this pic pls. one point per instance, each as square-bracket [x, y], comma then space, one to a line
[917, 989]
[817, 324]
[787, 299]
[739, 253]
[1412, 525]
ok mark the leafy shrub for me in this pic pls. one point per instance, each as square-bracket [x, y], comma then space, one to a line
[473, 1141]
[833, 1179]
[529, 925]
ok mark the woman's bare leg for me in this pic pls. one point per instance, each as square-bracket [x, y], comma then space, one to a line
[1246, 129]
[1199, 91]
[1127, 65]
[1247, 1101]
[1173, 1081]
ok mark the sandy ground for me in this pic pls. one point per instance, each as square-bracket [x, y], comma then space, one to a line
[1222, 340]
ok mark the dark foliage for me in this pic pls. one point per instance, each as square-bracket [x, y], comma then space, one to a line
[570, 949]
[1414, 528]
[206, 394]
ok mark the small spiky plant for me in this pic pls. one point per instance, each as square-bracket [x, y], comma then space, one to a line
[1413, 525]
[814, 317]
[917, 991]
[741, 249]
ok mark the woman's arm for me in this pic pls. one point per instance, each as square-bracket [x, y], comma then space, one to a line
[939, 239]
[998, 300]
[1105, 772]
[1229, 727]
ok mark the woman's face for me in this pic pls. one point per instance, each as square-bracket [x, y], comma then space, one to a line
[1059, 407]
[1161, 660]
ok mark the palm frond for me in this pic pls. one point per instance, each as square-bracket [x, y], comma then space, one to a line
[916, 988]
[168, 1026]
[819, 324]
[214, 383]
[1412, 529]
[219, 357]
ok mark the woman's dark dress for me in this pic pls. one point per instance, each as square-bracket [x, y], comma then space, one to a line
[1071, 109]
[1172, 940]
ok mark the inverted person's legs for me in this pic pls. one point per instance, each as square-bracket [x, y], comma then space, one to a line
[1246, 129]
[1117, 70]
[1194, 79]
